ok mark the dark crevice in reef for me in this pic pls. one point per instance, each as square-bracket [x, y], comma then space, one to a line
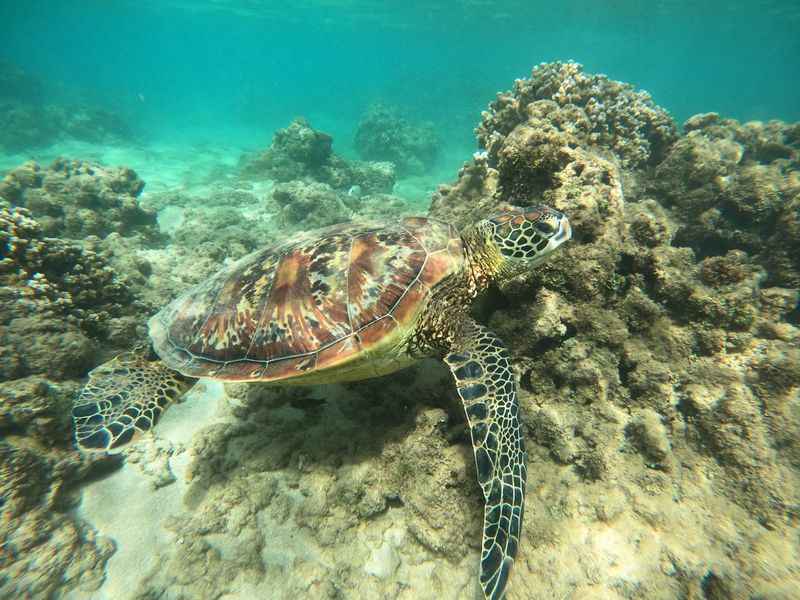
[487, 303]
[551, 343]
[395, 501]
[624, 368]
[687, 409]
[714, 588]
[794, 316]
[626, 265]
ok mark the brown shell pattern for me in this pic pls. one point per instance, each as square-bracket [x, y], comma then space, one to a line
[312, 303]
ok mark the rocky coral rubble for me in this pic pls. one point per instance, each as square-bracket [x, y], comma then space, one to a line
[45, 552]
[737, 187]
[592, 109]
[67, 305]
[59, 297]
[649, 349]
[300, 152]
[63, 309]
[75, 199]
[348, 488]
[382, 134]
[315, 187]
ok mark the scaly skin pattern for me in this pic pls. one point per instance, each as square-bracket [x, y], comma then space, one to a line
[451, 300]
[481, 368]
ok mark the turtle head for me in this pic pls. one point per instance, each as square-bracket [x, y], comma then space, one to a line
[521, 238]
[528, 234]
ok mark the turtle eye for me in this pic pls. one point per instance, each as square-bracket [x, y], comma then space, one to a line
[545, 227]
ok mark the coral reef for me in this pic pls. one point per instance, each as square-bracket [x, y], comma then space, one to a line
[46, 552]
[60, 302]
[65, 309]
[61, 297]
[736, 187]
[301, 152]
[310, 205]
[641, 349]
[383, 135]
[592, 109]
[75, 199]
[26, 122]
[27, 126]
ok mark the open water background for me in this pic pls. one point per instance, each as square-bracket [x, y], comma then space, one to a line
[234, 71]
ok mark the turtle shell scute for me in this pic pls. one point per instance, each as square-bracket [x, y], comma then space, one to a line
[311, 303]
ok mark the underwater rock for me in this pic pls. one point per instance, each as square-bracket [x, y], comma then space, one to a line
[296, 152]
[648, 434]
[737, 187]
[383, 135]
[75, 199]
[371, 177]
[45, 552]
[55, 292]
[217, 233]
[648, 349]
[381, 207]
[299, 152]
[64, 310]
[310, 204]
[37, 407]
[595, 110]
[27, 126]
[288, 485]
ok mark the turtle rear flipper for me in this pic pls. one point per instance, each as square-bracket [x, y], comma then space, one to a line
[482, 370]
[123, 397]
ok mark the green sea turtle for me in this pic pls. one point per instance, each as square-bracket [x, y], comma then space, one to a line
[345, 303]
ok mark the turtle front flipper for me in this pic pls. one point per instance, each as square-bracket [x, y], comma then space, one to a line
[482, 370]
[124, 396]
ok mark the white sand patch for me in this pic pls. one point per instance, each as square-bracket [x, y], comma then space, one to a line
[126, 508]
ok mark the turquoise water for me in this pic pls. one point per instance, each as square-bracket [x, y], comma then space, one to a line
[235, 71]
